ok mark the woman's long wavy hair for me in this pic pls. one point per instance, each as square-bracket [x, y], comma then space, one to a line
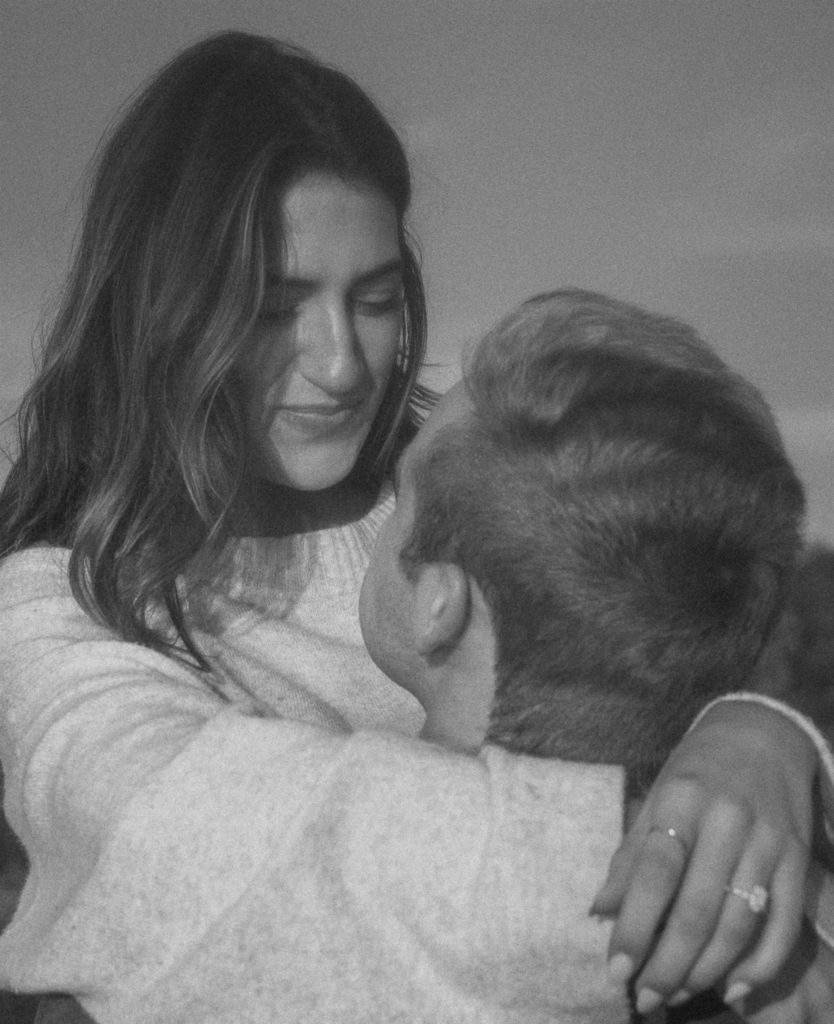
[131, 447]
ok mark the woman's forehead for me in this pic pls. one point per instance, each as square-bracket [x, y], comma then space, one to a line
[327, 222]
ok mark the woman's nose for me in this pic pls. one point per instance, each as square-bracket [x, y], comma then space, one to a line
[331, 356]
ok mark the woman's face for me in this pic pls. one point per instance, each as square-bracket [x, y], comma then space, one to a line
[326, 339]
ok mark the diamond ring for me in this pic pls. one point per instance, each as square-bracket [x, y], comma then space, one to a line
[756, 898]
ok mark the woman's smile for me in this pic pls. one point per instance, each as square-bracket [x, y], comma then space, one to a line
[324, 418]
[325, 345]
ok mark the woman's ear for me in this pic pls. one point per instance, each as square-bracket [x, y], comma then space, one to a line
[441, 607]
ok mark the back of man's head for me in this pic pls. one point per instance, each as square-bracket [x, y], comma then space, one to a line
[625, 504]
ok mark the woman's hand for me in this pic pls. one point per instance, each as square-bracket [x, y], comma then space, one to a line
[737, 795]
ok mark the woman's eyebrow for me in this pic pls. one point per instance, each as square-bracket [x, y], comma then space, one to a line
[390, 268]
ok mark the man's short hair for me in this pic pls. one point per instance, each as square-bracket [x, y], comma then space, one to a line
[624, 501]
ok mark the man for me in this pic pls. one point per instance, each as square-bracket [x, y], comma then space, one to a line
[593, 538]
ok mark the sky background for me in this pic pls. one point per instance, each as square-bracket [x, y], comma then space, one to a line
[677, 153]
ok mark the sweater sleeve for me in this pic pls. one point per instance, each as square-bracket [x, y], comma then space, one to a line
[190, 862]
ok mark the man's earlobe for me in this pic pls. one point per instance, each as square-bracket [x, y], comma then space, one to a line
[441, 607]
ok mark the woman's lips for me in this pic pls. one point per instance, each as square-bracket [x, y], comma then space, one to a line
[320, 418]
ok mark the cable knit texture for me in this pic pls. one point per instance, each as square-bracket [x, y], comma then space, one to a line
[269, 842]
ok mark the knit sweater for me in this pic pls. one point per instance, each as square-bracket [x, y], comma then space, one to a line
[269, 842]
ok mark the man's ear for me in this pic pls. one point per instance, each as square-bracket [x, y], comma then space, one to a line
[441, 607]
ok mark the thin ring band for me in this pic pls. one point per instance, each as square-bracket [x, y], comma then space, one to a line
[672, 833]
[756, 898]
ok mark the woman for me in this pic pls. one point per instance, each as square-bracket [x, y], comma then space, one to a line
[191, 731]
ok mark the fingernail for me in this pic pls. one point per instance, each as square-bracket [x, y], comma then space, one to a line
[678, 998]
[620, 967]
[648, 1000]
[736, 991]
[598, 897]
[603, 915]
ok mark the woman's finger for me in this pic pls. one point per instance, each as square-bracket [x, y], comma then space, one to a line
[745, 913]
[781, 925]
[654, 880]
[648, 871]
[697, 909]
[609, 898]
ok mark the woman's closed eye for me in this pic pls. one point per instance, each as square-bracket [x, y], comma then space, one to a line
[379, 303]
[284, 306]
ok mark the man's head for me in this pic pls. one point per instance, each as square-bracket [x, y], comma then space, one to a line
[622, 504]
[428, 628]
